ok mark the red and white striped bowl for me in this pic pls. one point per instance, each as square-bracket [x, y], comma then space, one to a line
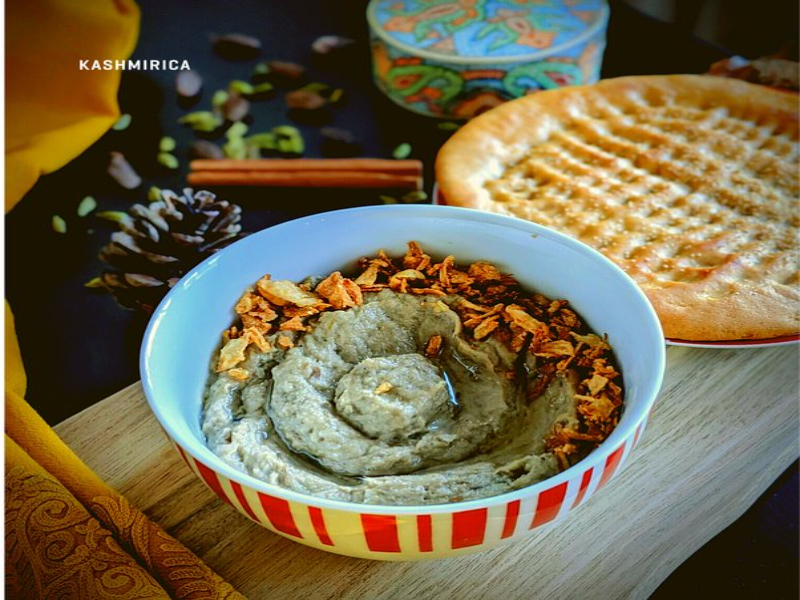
[185, 330]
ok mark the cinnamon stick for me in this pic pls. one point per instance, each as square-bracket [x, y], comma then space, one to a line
[371, 165]
[320, 179]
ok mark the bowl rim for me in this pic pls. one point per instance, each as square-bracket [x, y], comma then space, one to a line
[623, 432]
[601, 22]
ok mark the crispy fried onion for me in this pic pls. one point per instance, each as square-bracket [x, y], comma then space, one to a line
[490, 304]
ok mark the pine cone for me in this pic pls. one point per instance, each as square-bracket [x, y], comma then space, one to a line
[159, 243]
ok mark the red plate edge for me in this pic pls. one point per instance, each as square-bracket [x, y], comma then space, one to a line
[785, 339]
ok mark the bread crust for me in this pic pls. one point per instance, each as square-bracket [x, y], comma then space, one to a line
[688, 182]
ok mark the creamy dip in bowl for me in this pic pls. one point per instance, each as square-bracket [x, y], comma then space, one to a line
[418, 381]
[340, 510]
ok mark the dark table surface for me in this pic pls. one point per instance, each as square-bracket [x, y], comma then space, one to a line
[80, 347]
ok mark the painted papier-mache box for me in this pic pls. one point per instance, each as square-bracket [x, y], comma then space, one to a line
[457, 58]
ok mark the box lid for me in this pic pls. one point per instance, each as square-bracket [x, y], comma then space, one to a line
[485, 30]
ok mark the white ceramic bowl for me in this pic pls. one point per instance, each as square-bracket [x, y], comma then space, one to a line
[185, 331]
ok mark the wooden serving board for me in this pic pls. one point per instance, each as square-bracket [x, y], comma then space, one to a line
[724, 427]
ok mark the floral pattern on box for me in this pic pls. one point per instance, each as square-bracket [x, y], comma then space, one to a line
[456, 58]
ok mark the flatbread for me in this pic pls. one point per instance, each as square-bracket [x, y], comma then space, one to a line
[690, 183]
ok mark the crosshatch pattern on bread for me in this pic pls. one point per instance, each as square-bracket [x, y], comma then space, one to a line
[689, 183]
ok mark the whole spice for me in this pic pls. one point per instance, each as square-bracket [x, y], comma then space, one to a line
[262, 90]
[262, 142]
[260, 73]
[87, 205]
[308, 107]
[415, 196]
[316, 87]
[122, 172]
[59, 225]
[115, 216]
[240, 87]
[219, 98]
[340, 173]
[122, 123]
[285, 74]
[305, 179]
[336, 96]
[236, 147]
[402, 151]
[167, 144]
[323, 90]
[203, 120]
[304, 100]
[409, 198]
[235, 108]
[289, 140]
[236, 46]
[378, 166]
[168, 160]
[333, 51]
[205, 149]
[188, 84]
[330, 44]
[236, 130]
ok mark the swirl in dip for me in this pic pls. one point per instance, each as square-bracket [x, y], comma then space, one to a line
[406, 387]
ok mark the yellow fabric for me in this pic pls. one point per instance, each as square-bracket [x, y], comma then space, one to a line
[16, 382]
[67, 533]
[41, 515]
[56, 110]
[45, 478]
